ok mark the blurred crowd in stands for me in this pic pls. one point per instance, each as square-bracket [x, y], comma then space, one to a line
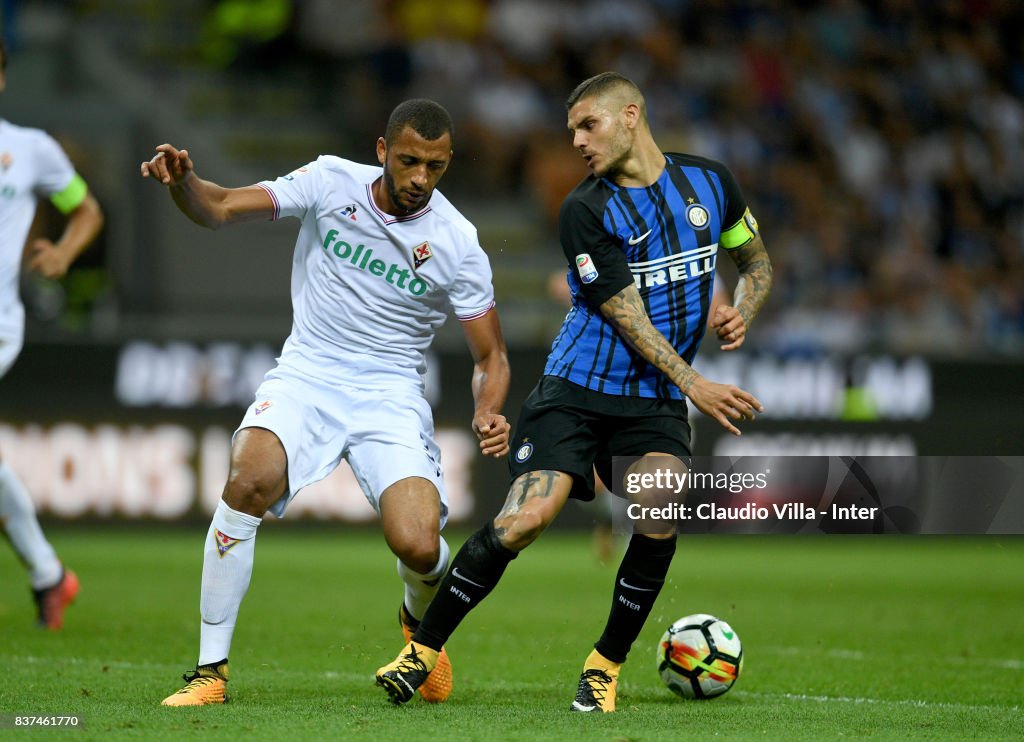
[880, 143]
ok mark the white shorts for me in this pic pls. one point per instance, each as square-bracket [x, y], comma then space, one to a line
[385, 436]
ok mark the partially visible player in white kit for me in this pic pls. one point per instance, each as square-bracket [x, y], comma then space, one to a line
[33, 166]
[381, 259]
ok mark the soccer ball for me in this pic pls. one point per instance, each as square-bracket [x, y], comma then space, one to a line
[699, 656]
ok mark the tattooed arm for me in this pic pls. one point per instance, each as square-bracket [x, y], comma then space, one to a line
[627, 314]
[731, 322]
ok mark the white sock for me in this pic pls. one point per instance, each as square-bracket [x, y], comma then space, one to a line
[19, 518]
[227, 569]
[420, 588]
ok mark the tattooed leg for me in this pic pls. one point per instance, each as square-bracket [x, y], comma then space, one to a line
[534, 499]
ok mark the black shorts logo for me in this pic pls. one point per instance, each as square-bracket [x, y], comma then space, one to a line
[524, 452]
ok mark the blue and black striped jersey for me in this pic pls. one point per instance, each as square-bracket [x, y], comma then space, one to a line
[665, 239]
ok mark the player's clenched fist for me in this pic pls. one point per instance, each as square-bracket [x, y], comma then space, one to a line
[48, 260]
[492, 430]
[730, 326]
[170, 165]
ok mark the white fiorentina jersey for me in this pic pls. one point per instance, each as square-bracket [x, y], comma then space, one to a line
[369, 290]
[32, 166]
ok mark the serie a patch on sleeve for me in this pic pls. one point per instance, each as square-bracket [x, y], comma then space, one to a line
[587, 269]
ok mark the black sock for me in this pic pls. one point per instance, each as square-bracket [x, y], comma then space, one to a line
[475, 571]
[640, 577]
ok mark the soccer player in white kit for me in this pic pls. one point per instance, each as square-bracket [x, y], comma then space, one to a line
[380, 260]
[33, 166]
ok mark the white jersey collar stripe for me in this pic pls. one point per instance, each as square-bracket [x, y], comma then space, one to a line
[388, 218]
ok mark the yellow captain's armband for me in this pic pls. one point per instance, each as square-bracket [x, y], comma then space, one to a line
[72, 195]
[739, 233]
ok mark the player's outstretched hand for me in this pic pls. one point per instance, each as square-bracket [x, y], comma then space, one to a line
[730, 326]
[724, 401]
[492, 430]
[169, 165]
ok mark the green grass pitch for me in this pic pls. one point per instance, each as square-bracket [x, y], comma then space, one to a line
[879, 637]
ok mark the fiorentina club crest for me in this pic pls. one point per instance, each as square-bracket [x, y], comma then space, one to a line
[421, 254]
[224, 543]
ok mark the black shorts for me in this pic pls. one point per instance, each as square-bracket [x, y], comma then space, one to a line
[566, 427]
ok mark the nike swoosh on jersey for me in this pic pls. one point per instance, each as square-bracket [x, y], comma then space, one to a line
[466, 579]
[634, 587]
[641, 238]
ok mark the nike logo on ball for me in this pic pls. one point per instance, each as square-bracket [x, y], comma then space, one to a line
[641, 238]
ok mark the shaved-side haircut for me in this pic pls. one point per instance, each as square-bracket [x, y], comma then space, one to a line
[608, 83]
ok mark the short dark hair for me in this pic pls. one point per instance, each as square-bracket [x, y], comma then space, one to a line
[603, 83]
[427, 118]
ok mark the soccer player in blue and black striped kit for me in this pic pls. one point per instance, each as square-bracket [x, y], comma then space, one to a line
[641, 235]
